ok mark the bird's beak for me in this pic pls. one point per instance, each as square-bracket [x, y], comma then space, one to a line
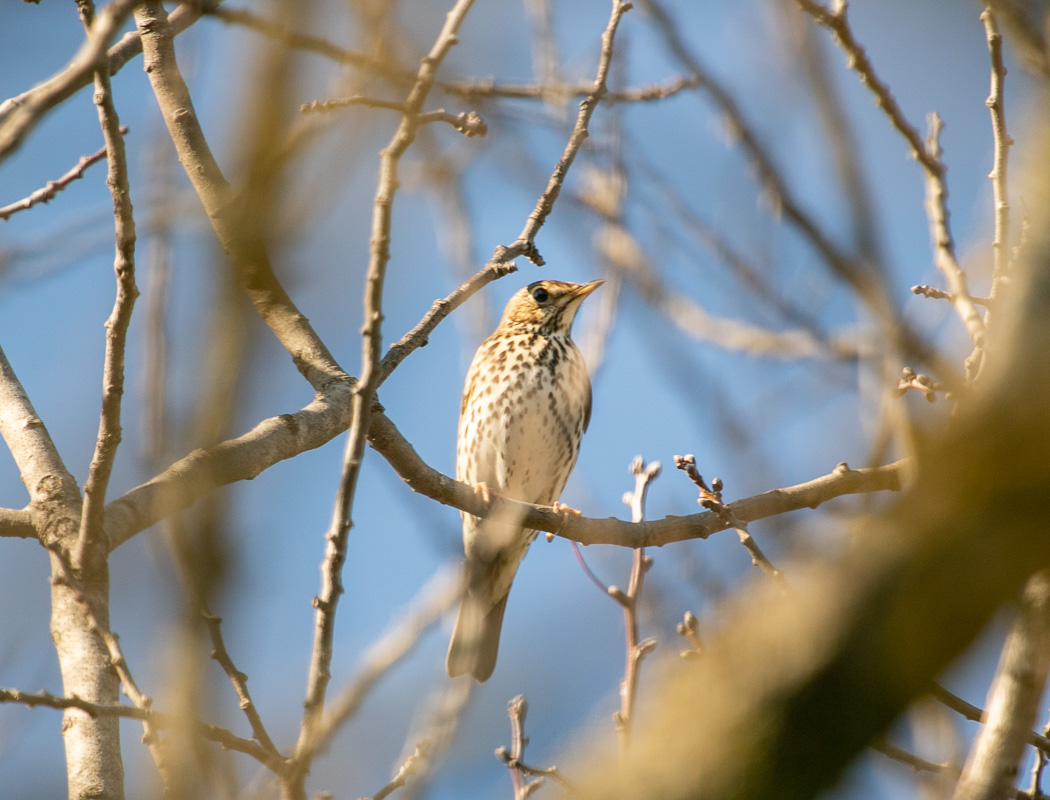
[585, 289]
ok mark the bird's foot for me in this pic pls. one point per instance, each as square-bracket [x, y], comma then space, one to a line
[566, 512]
[484, 493]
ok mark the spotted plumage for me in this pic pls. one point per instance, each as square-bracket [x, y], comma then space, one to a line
[526, 404]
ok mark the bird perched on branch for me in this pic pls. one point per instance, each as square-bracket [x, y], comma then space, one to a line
[526, 404]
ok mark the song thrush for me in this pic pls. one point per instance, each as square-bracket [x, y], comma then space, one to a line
[526, 404]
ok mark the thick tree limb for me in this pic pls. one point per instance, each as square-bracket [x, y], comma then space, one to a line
[1013, 700]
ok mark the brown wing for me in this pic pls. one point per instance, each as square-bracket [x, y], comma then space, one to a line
[587, 404]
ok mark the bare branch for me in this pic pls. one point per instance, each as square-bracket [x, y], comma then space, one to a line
[239, 681]
[364, 394]
[91, 534]
[525, 244]
[481, 90]
[469, 123]
[939, 294]
[711, 499]
[1000, 159]
[626, 257]
[157, 719]
[418, 336]
[349, 102]
[927, 153]
[54, 187]
[1028, 38]
[517, 710]
[944, 245]
[1002, 141]
[30, 108]
[1013, 699]
[271, 301]
[17, 523]
[865, 282]
[644, 474]
[1039, 741]
[411, 765]
[75, 77]
[387, 440]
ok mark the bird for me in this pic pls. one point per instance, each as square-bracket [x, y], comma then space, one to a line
[526, 404]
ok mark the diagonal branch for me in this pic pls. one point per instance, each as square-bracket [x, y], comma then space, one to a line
[248, 252]
[52, 188]
[24, 115]
[525, 243]
[73, 77]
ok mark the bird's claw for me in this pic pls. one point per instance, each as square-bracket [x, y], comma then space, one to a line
[566, 512]
[483, 493]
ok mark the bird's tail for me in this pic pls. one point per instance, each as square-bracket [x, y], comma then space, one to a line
[475, 639]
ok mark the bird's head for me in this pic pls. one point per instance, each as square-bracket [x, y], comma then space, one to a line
[549, 306]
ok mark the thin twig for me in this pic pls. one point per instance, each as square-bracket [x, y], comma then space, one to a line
[525, 244]
[365, 390]
[636, 650]
[1035, 788]
[711, 499]
[1001, 141]
[1000, 159]
[48, 192]
[948, 770]
[238, 680]
[472, 89]
[418, 336]
[546, 65]
[300, 41]
[158, 719]
[915, 762]
[349, 102]
[517, 710]
[109, 429]
[974, 714]
[602, 586]
[939, 294]
[927, 153]
[910, 379]
[411, 765]
[469, 123]
[482, 90]
[626, 257]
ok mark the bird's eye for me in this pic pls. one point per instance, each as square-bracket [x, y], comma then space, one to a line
[540, 295]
